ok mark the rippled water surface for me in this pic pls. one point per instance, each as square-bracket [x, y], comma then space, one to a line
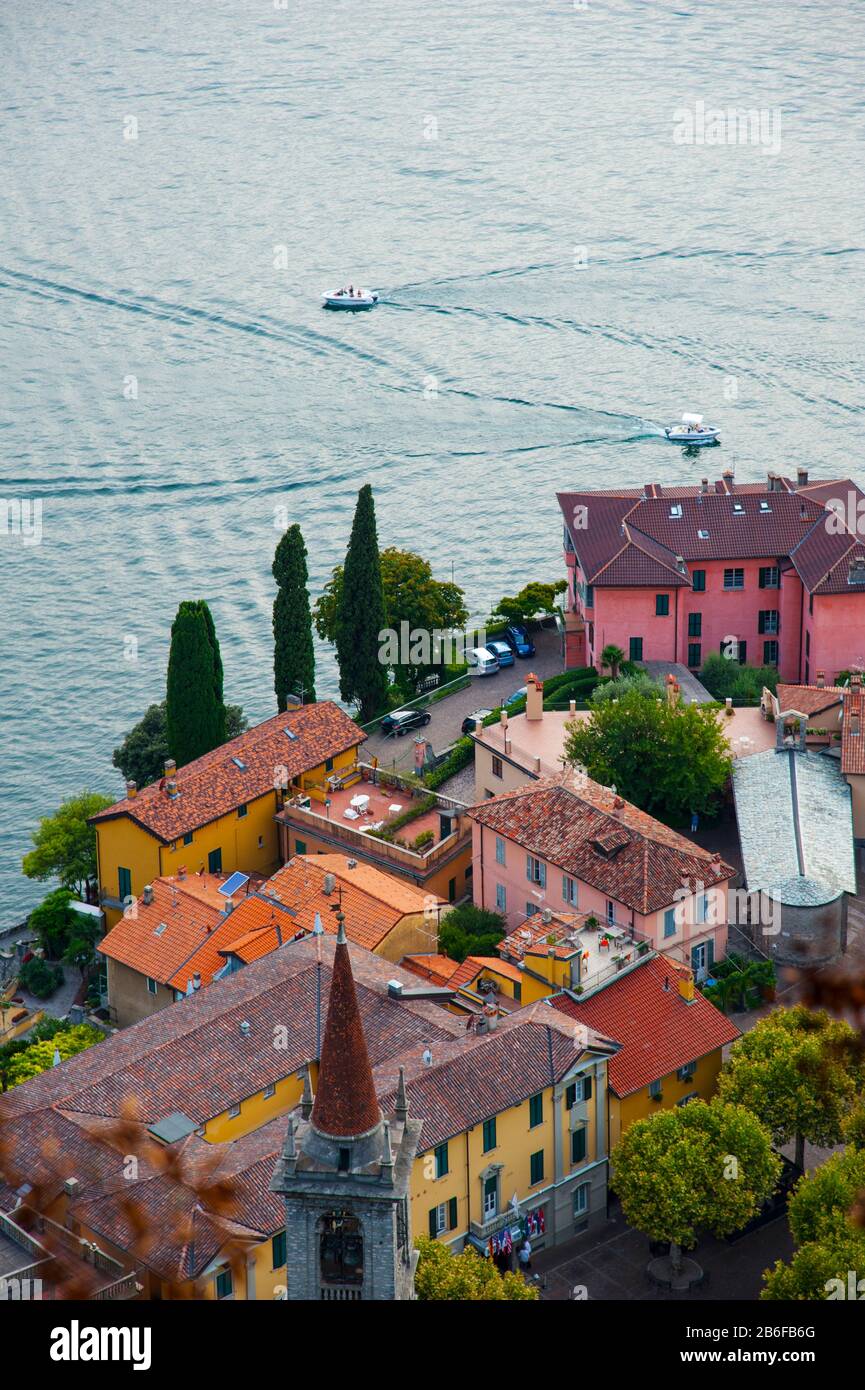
[558, 276]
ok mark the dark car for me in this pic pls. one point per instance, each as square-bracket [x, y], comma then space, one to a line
[402, 720]
[468, 724]
[518, 639]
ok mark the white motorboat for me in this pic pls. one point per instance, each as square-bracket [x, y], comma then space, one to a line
[692, 430]
[352, 298]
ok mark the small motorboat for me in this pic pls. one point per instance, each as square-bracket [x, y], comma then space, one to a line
[352, 298]
[692, 431]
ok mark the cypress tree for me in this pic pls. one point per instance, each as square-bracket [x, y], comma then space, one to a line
[194, 711]
[361, 614]
[293, 655]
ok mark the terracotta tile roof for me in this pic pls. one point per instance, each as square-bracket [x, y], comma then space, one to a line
[853, 729]
[563, 820]
[479, 1076]
[658, 1031]
[214, 784]
[346, 1104]
[198, 938]
[156, 939]
[437, 969]
[532, 936]
[633, 538]
[808, 699]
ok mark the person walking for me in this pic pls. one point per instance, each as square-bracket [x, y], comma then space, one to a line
[526, 1256]
[695, 821]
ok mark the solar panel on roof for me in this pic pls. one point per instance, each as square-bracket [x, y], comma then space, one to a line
[232, 883]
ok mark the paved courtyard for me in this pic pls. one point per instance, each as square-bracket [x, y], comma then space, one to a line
[611, 1265]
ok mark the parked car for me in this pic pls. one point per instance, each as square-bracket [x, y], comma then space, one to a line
[517, 695]
[402, 720]
[518, 639]
[502, 651]
[482, 662]
[470, 720]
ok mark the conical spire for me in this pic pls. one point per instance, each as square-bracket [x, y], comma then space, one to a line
[345, 1101]
[400, 1109]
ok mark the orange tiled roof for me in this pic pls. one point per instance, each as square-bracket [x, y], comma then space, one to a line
[215, 784]
[437, 969]
[658, 1031]
[472, 966]
[809, 699]
[373, 901]
[590, 833]
[157, 938]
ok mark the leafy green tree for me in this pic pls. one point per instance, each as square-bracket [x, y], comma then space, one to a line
[195, 719]
[411, 596]
[724, 677]
[40, 978]
[826, 1221]
[533, 598]
[293, 655]
[46, 1028]
[360, 615]
[854, 1127]
[466, 1277]
[694, 1168]
[669, 761]
[142, 754]
[80, 949]
[470, 931]
[611, 659]
[641, 683]
[801, 1072]
[55, 922]
[40, 1056]
[64, 846]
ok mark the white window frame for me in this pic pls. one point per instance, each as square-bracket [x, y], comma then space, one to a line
[152, 985]
[581, 1199]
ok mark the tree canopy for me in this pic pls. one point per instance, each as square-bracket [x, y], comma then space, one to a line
[827, 1221]
[411, 597]
[142, 754]
[696, 1167]
[293, 654]
[195, 719]
[64, 846]
[532, 598]
[40, 1055]
[359, 615]
[470, 931]
[801, 1072]
[668, 760]
[55, 922]
[466, 1277]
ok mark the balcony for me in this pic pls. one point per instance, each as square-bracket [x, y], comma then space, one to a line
[491, 1225]
[349, 828]
[65, 1263]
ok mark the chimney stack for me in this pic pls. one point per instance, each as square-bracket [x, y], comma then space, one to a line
[170, 767]
[196, 984]
[572, 708]
[704, 485]
[329, 884]
[770, 483]
[802, 477]
[147, 895]
[821, 679]
[534, 697]
[131, 790]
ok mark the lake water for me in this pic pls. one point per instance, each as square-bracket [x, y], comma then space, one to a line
[559, 274]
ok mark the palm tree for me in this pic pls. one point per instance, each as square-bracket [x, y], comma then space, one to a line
[613, 657]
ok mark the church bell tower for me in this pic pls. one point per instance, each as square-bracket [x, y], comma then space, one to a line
[344, 1171]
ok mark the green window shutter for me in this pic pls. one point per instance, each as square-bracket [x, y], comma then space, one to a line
[710, 952]
[570, 1097]
[578, 1145]
[452, 1214]
[433, 1223]
[587, 1088]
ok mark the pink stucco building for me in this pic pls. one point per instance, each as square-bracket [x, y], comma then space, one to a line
[567, 844]
[773, 572]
